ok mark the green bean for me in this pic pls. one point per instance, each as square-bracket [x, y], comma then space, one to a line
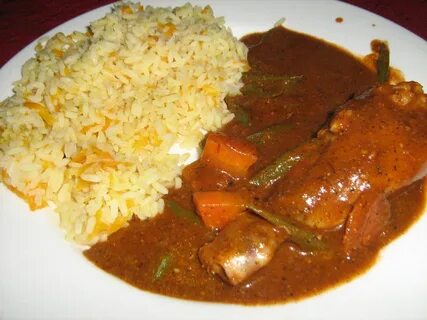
[261, 137]
[383, 63]
[268, 85]
[253, 76]
[181, 212]
[241, 114]
[276, 170]
[307, 240]
[254, 89]
[256, 64]
[162, 267]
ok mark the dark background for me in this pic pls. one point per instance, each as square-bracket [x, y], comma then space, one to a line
[22, 21]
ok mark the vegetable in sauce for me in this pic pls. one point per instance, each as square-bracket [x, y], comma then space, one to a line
[276, 170]
[383, 63]
[241, 115]
[267, 85]
[230, 154]
[179, 211]
[163, 267]
[261, 137]
[308, 241]
[218, 208]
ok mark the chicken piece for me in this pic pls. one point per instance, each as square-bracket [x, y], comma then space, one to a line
[375, 145]
[241, 248]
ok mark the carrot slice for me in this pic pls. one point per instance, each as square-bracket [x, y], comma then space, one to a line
[233, 155]
[42, 111]
[218, 208]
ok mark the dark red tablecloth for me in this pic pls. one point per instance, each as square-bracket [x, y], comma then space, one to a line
[22, 21]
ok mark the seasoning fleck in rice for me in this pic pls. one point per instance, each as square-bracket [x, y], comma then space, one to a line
[91, 123]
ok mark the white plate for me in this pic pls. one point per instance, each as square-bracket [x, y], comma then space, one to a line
[43, 276]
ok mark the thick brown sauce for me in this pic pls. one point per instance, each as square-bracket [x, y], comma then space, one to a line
[331, 76]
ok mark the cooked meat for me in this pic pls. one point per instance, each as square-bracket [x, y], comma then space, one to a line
[375, 145]
[242, 248]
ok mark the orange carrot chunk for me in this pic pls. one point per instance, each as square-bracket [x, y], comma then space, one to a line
[233, 155]
[218, 208]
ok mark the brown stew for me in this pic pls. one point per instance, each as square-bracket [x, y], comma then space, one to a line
[327, 78]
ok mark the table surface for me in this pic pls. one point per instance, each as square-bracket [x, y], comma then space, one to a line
[22, 21]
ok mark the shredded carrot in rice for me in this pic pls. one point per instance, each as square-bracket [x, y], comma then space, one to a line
[101, 227]
[126, 10]
[42, 111]
[168, 29]
[29, 199]
[79, 157]
[58, 53]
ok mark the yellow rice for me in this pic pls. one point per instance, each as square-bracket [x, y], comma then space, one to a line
[90, 125]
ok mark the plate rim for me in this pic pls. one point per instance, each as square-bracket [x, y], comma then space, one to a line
[173, 302]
